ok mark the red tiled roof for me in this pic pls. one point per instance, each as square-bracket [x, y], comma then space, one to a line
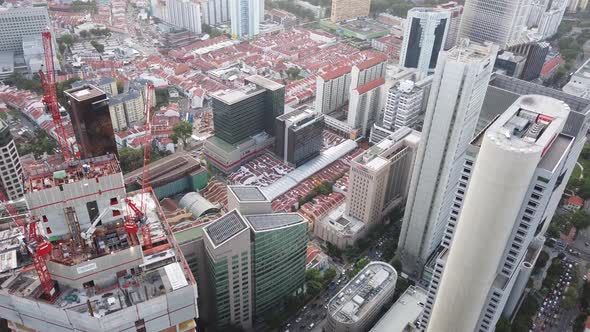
[370, 86]
[372, 62]
[588, 322]
[550, 65]
[576, 200]
[336, 73]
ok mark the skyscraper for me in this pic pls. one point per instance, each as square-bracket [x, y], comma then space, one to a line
[255, 258]
[554, 172]
[91, 120]
[15, 23]
[456, 97]
[511, 194]
[499, 21]
[245, 17]
[11, 171]
[403, 105]
[456, 11]
[424, 37]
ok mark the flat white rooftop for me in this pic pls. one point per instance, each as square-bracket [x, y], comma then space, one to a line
[405, 311]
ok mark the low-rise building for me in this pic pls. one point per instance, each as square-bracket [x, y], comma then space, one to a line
[404, 313]
[357, 305]
[579, 84]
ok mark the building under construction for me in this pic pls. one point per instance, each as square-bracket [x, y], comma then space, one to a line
[97, 274]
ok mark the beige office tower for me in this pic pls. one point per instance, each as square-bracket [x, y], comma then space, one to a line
[515, 149]
[343, 10]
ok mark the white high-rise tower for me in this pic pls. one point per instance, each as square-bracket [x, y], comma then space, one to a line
[502, 22]
[460, 82]
[245, 17]
[510, 195]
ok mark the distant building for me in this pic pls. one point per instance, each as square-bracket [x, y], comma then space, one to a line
[502, 22]
[11, 170]
[379, 179]
[245, 17]
[366, 101]
[574, 203]
[455, 21]
[299, 136]
[91, 120]
[535, 61]
[343, 10]
[404, 314]
[357, 305]
[425, 36]
[182, 14]
[405, 103]
[551, 19]
[215, 11]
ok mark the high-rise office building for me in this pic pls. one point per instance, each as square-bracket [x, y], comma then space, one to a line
[343, 10]
[424, 37]
[91, 120]
[455, 22]
[299, 136]
[15, 23]
[245, 17]
[456, 97]
[502, 22]
[11, 170]
[256, 258]
[523, 161]
[379, 178]
[244, 121]
[215, 11]
[502, 92]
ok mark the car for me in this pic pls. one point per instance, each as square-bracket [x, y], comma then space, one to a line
[311, 326]
[586, 244]
[298, 320]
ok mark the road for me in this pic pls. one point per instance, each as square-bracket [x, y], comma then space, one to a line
[581, 170]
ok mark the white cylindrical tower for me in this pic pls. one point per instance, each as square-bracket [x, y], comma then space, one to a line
[510, 153]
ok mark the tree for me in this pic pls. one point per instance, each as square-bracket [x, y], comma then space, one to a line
[211, 31]
[293, 73]
[42, 143]
[503, 325]
[84, 34]
[570, 298]
[161, 97]
[329, 275]
[181, 132]
[130, 159]
[397, 265]
[333, 251]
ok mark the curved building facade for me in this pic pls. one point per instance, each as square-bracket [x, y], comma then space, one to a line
[356, 306]
[513, 148]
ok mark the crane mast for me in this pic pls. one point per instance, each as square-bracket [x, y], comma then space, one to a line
[147, 152]
[48, 81]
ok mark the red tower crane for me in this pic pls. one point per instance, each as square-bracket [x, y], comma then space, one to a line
[37, 247]
[141, 213]
[50, 96]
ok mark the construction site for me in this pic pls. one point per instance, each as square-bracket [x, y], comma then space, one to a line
[87, 255]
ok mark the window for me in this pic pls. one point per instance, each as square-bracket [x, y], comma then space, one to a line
[114, 201]
[48, 230]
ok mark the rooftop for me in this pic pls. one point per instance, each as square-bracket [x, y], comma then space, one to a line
[405, 311]
[265, 222]
[167, 169]
[367, 289]
[248, 193]
[71, 172]
[84, 92]
[231, 97]
[264, 82]
[226, 227]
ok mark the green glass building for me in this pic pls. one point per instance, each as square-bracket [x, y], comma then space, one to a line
[279, 244]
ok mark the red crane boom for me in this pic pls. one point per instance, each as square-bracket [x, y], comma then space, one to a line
[37, 247]
[147, 153]
[50, 96]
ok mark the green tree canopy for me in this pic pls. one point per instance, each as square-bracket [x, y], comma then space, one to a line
[181, 132]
